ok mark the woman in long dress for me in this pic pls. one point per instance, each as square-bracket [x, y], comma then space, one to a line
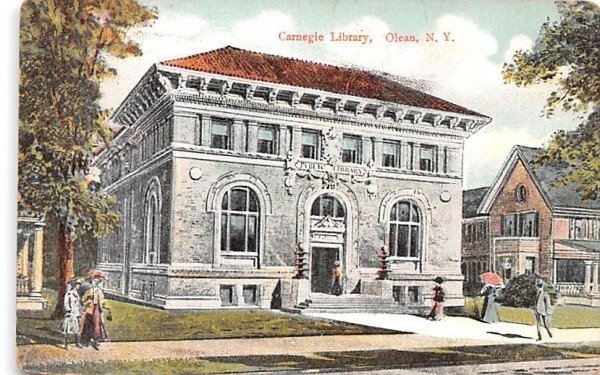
[71, 322]
[493, 307]
[94, 330]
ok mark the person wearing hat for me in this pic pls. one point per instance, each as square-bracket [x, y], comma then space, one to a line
[336, 287]
[437, 311]
[94, 330]
[72, 303]
[541, 309]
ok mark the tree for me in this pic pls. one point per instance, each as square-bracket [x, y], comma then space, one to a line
[567, 54]
[63, 49]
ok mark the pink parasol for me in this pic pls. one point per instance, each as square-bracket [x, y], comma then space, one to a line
[491, 278]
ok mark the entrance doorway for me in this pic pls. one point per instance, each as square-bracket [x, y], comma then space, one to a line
[322, 268]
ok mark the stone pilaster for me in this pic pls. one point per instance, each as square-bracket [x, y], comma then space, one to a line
[595, 278]
[238, 135]
[377, 151]
[252, 136]
[184, 128]
[205, 130]
[297, 141]
[367, 150]
[405, 155]
[416, 156]
[284, 141]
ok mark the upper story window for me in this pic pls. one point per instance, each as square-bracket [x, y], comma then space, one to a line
[221, 134]
[404, 238]
[239, 221]
[520, 225]
[584, 229]
[391, 154]
[310, 142]
[327, 205]
[267, 140]
[427, 161]
[351, 149]
[521, 193]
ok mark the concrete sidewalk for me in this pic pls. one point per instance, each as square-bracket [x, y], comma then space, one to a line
[464, 328]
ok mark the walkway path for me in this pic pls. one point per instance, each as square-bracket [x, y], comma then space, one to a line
[463, 328]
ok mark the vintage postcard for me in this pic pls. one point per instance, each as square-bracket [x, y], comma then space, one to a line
[308, 186]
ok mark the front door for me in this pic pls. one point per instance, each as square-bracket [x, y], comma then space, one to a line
[321, 269]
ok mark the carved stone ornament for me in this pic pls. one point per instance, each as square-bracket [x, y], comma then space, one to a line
[329, 169]
[328, 223]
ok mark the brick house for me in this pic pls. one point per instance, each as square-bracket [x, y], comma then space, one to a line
[475, 241]
[537, 227]
[242, 177]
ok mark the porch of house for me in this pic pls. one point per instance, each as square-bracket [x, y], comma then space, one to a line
[576, 271]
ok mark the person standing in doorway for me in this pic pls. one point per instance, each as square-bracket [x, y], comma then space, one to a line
[94, 330]
[437, 311]
[542, 309]
[71, 322]
[336, 287]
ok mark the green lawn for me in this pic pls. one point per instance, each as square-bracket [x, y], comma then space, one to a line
[137, 323]
[362, 360]
[565, 316]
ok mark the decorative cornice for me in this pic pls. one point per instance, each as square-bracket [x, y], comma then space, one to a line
[353, 106]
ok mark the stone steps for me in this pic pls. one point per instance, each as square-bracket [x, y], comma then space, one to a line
[347, 303]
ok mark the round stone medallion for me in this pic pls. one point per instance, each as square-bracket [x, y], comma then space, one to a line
[445, 196]
[195, 173]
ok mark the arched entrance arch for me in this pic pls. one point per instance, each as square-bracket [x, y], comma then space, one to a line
[327, 225]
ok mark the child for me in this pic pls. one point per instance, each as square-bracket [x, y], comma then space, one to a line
[70, 324]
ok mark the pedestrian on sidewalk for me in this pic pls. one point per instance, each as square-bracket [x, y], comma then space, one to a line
[492, 310]
[336, 287]
[542, 309]
[94, 329]
[71, 322]
[437, 311]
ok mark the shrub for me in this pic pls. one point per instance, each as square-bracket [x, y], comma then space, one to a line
[521, 292]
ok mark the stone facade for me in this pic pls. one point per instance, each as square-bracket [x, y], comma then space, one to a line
[188, 150]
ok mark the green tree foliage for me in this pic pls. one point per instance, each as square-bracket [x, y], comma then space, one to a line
[64, 45]
[521, 291]
[567, 54]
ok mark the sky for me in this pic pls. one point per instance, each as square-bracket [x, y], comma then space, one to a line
[466, 71]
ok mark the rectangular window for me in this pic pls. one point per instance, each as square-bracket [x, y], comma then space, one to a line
[391, 155]
[413, 294]
[570, 271]
[221, 134]
[351, 149]
[427, 161]
[398, 293]
[309, 144]
[520, 225]
[267, 138]
[508, 225]
[250, 294]
[226, 292]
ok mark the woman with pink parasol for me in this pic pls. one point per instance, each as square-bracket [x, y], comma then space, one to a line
[491, 308]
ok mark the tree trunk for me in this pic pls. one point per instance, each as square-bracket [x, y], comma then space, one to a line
[65, 265]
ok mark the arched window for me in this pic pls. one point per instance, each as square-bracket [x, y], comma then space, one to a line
[327, 205]
[151, 228]
[240, 221]
[404, 238]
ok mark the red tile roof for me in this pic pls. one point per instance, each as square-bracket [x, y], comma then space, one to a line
[235, 62]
